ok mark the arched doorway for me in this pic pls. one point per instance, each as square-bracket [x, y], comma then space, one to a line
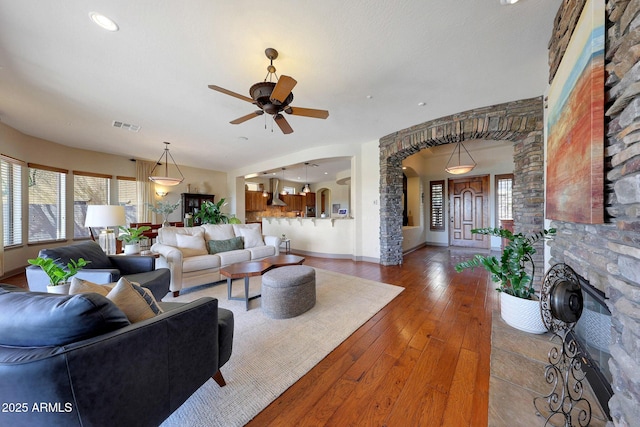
[517, 121]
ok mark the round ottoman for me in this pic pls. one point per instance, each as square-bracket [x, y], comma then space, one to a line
[288, 291]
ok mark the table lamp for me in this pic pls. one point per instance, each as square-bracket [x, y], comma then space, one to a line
[105, 216]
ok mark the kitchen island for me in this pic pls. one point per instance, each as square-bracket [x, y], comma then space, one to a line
[321, 237]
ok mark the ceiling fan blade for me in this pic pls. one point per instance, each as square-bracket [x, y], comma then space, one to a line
[228, 92]
[247, 117]
[308, 112]
[283, 124]
[283, 88]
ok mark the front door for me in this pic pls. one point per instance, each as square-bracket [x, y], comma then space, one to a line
[469, 209]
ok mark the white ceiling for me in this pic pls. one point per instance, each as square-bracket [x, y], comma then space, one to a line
[369, 62]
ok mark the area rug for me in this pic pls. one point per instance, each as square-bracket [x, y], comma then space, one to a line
[270, 355]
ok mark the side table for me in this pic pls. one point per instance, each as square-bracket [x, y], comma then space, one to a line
[286, 245]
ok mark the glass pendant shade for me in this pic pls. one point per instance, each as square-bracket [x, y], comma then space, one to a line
[460, 167]
[166, 180]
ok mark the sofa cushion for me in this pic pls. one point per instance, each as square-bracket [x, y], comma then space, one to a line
[167, 235]
[89, 250]
[262, 252]
[252, 237]
[191, 245]
[218, 231]
[35, 319]
[200, 262]
[81, 286]
[215, 246]
[134, 300]
[231, 257]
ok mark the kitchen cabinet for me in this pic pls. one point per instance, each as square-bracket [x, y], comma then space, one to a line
[310, 200]
[295, 202]
[254, 201]
[191, 203]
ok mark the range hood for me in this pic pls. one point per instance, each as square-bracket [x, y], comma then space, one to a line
[274, 183]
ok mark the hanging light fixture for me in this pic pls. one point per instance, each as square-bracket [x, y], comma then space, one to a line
[306, 188]
[283, 192]
[460, 168]
[166, 180]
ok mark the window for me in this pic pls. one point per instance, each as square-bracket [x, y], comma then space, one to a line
[504, 198]
[88, 189]
[11, 177]
[128, 197]
[437, 205]
[47, 193]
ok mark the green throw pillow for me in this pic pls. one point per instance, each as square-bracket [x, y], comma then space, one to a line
[215, 246]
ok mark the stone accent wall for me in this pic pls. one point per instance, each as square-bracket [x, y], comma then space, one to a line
[518, 121]
[608, 255]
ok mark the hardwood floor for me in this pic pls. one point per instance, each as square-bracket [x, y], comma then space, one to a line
[423, 360]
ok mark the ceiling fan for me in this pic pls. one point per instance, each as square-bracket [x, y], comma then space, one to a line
[273, 98]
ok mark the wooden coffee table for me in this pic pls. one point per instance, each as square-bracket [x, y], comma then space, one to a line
[249, 269]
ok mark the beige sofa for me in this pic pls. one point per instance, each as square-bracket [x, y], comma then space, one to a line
[195, 254]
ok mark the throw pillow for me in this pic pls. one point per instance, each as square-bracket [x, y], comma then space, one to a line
[191, 245]
[252, 238]
[134, 300]
[81, 286]
[216, 246]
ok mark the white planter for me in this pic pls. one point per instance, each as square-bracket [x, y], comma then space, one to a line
[522, 314]
[132, 249]
[59, 289]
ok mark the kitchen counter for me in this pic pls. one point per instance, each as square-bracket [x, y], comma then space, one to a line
[322, 237]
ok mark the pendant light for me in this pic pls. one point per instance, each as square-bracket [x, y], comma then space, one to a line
[166, 180]
[306, 188]
[283, 192]
[460, 168]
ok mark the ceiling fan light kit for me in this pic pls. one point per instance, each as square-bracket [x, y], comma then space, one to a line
[273, 98]
[166, 180]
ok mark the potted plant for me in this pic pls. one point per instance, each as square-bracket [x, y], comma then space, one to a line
[131, 238]
[58, 275]
[165, 209]
[210, 213]
[518, 306]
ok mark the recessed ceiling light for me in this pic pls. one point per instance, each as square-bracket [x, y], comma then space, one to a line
[503, 2]
[102, 21]
[369, 96]
[421, 104]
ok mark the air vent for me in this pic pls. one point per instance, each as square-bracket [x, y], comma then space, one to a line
[126, 126]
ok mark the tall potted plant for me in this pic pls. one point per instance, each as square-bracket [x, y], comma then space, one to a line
[131, 238]
[58, 275]
[518, 305]
[210, 213]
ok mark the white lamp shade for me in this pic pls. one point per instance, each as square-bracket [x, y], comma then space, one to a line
[104, 216]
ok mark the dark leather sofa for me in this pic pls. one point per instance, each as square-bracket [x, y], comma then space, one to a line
[103, 268]
[75, 360]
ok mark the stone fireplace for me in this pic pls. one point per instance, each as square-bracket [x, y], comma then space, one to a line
[606, 255]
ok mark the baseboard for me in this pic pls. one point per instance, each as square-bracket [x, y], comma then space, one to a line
[335, 256]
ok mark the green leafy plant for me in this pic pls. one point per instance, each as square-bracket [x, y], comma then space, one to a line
[210, 213]
[132, 235]
[510, 269]
[234, 220]
[57, 273]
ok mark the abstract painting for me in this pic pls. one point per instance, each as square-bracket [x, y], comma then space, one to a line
[575, 125]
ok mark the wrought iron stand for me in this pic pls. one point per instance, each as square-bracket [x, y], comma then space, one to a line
[561, 303]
